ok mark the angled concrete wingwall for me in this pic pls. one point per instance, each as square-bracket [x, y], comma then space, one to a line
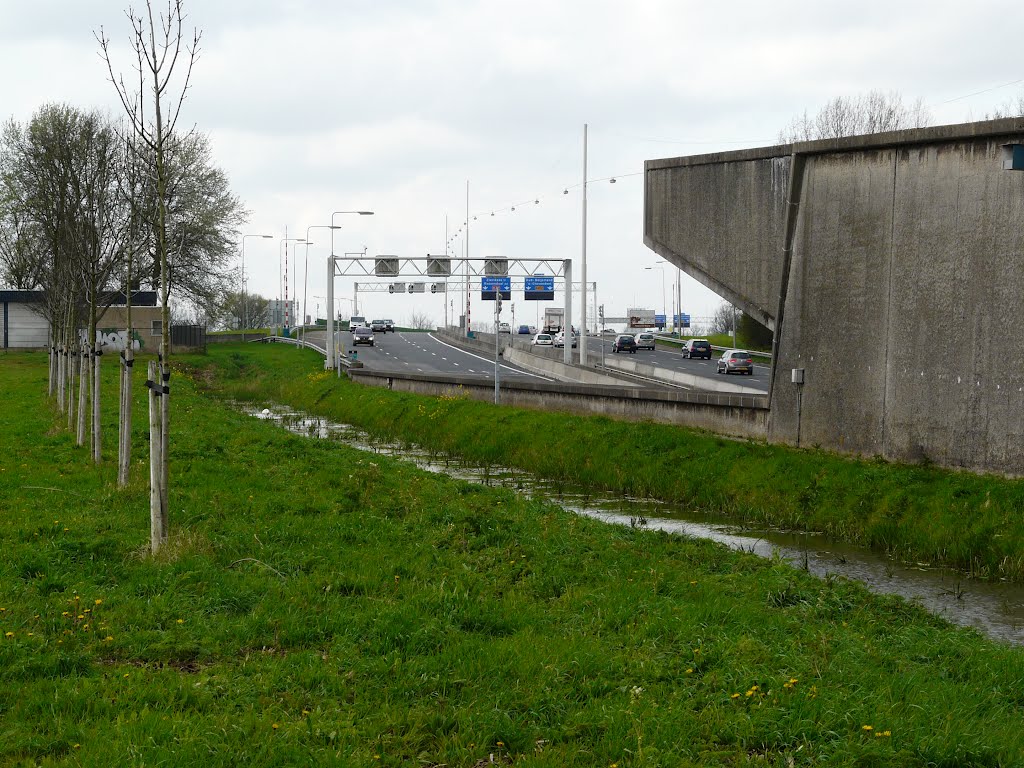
[893, 271]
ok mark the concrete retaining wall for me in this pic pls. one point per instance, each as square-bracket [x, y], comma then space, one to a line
[901, 296]
[736, 415]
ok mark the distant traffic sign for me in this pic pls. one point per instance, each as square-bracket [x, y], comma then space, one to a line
[490, 285]
[539, 288]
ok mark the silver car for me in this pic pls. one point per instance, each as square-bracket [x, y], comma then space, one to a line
[644, 340]
[735, 361]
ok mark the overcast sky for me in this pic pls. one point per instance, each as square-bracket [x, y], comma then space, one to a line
[392, 106]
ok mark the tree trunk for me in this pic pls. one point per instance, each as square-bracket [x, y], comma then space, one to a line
[52, 377]
[83, 392]
[97, 451]
[71, 365]
[157, 531]
[125, 443]
[165, 442]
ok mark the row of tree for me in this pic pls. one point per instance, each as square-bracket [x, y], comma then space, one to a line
[93, 208]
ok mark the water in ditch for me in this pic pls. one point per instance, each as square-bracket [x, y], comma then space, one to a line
[995, 608]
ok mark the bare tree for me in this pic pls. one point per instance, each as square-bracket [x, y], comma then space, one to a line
[1013, 107]
[871, 112]
[420, 321]
[724, 319]
[153, 106]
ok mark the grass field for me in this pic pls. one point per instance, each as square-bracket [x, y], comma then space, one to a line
[918, 513]
[321, 606]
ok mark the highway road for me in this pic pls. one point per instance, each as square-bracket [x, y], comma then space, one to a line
[672, 359]
[420, 352]
[408, 352]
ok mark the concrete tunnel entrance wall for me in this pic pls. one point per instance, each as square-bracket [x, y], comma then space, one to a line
[902, 294]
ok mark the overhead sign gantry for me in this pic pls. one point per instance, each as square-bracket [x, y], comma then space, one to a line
[542, 273]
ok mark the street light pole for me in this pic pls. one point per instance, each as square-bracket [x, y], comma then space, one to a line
[664, 308]
[305, 270]
[330, 360]
[242, 313]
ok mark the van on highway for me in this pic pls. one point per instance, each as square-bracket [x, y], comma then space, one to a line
[356, 321]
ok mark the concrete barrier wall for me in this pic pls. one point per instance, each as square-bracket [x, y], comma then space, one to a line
[735, 415]
[678, 377]
[904, 289]
[706, 207]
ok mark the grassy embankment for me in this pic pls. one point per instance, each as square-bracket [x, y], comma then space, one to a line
[319, 606]
[919, 513]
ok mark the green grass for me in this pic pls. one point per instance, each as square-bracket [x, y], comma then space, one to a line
[321, 606]
[919, 513]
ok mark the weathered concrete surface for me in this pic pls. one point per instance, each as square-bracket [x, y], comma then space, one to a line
[736, 415]
[699, 209]
[903, 289]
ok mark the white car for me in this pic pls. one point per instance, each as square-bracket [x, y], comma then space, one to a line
[543, 340]
[504, 328]
[560, 340]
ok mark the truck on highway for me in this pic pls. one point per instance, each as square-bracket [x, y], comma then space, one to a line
[553, 320]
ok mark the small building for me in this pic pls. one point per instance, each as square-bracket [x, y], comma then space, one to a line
[24, 324]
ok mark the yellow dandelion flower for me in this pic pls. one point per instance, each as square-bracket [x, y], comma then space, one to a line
[98, 602]
[181, 621]
[275, 726]
[81, 616]
[66, 530]
[108, 638]
[8, 634]
[689, 671]
[126, 674]
[750, 693]
[65, 613]
[501, 743]
[30, 634]
[867, 727]
[78, 746]
[734, 696]
[305, 711]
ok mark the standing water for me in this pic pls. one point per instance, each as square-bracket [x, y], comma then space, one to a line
[995, 608]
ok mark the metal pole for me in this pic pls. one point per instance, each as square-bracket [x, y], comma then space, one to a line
[465, 246]
[567, 346]
[497, 341]
[583, 264]
[329, 361]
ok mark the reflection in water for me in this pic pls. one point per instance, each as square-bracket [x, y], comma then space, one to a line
[997, 609]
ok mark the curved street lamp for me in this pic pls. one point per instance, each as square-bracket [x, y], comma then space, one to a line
[330, 362]
[305, 271]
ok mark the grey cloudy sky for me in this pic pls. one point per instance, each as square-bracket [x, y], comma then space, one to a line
[391, 106]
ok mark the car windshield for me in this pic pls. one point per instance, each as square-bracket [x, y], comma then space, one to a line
[741, 356]
[700, 344]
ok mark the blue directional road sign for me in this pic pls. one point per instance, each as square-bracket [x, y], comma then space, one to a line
[539, 288]
[491, 284]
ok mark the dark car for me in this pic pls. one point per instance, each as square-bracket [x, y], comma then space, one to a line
[624, 343]
[379, 326]
[697, 348]
[362, 335]
[524, 330]
[389, 326]
[735, 361]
